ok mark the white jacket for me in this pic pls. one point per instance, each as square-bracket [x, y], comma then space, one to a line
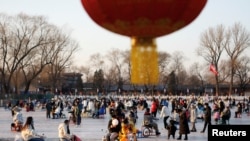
[164, 112]
[18, 118]
[62, 131]
[193, 115]
[91, 106]
[28, 134]
[85, 103]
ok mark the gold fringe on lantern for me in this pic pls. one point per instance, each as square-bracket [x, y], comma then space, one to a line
[144, 61]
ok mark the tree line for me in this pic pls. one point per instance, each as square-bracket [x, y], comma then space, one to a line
[36, 52]
[224, 47]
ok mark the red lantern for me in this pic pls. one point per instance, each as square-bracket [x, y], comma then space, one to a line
[143, 21]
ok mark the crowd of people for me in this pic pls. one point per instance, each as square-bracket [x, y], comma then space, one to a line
[183, 112]
[173, 111]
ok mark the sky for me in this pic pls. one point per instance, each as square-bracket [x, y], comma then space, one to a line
[70, 15]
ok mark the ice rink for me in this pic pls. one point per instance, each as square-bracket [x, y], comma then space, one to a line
[93, 129]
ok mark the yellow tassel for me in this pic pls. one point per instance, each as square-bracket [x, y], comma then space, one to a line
[144, 61]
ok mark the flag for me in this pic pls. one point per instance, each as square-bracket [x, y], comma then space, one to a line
[213, 69]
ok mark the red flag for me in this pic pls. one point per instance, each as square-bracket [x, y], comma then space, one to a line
[213, 69]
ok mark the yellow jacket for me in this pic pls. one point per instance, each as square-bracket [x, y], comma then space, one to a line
[128, 132]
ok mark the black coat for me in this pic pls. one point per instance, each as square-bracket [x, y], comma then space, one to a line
[207, 114]
[114, 129]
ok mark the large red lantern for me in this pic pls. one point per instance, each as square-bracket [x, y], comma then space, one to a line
[143, 21]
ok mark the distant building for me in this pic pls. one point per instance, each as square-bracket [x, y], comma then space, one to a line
[71, 82]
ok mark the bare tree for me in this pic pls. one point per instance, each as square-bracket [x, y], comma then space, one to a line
[242, 70]
[109, 77]
[29, 43]
[164, 60]
[96, 61]
[178, 67]
[212, 44]
[34, 63]
[197, 70]
[240, 41]
[177, 61]
[21, 35]
[126, 66]
[61, 54]
[224, 71]
[115, 56]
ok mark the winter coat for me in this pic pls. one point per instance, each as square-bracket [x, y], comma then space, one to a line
[18, 118]
[153, 107]
[183, 124]
[63, 131]
[29, 133]
[207, 114]
[193, 115]
[164, 111]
